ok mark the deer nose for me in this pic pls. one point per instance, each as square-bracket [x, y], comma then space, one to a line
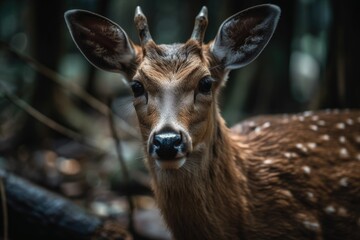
[167, 145]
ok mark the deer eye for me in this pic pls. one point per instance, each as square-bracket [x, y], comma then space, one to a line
[137, 88]
[205, 85]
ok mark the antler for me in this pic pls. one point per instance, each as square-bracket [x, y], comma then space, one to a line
[142, 26]
[201, 22]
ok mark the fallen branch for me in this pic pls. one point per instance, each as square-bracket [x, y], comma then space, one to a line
[35, 213]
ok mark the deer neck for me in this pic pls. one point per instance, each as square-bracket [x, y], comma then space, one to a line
[207, 192]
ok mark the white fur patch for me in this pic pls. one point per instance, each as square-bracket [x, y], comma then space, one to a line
[173, 164]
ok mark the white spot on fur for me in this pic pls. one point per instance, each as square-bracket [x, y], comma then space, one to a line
[330, 209]
[306, 169]
[311, 145]
[237, 128]
[344, 182]
[325, 137]
[315, 118]
[342, 139]
[268, 161]
[344, 153]
[314, 127]
[358, 156]
[301, 147]
[286, 193]
[313, 226]
[340, 126]
[257, 130]
[266, 125]
[290, 155]
[349, 121]
[321, 123]
[252, 124]
[301, 118]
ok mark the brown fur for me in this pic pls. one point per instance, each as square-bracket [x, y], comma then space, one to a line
[304, 174]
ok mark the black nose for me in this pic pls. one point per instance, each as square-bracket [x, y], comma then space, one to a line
[167, 144]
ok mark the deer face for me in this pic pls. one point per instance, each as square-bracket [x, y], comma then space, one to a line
[173, 97]
[175, 86]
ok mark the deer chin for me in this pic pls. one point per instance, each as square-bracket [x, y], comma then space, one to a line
[170, 164]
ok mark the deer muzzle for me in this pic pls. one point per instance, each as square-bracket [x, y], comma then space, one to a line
[169, 149]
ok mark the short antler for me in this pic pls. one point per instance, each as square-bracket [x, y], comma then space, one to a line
[201, 22]
[142, 26]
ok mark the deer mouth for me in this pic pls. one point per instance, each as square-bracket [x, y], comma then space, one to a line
[170, 164]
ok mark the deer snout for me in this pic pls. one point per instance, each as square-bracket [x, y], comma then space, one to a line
[169, 149]
[167, 145]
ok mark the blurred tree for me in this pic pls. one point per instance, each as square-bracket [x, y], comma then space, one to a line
[46, 44]
[341, 83]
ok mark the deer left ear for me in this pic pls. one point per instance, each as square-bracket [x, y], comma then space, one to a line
[101, 41]
[243, 36]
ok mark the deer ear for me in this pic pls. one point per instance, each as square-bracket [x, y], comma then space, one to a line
[243, 36]
[101, 41]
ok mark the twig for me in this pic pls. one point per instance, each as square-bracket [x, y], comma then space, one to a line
[44, 119]
[73, 88]
[4, 207]
[124, 170]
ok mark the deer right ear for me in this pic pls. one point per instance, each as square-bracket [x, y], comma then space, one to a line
[242, 37]
[101, 41]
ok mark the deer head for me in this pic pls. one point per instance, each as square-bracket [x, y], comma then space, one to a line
[175, 86]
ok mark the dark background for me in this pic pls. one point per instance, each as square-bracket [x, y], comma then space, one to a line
[310, 63]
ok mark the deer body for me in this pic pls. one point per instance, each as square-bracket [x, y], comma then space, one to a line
[278, 185]
[274, 177]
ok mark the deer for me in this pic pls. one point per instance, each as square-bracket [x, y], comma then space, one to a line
[284, 176]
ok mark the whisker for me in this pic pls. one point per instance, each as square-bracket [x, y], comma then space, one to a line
[217, 66]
